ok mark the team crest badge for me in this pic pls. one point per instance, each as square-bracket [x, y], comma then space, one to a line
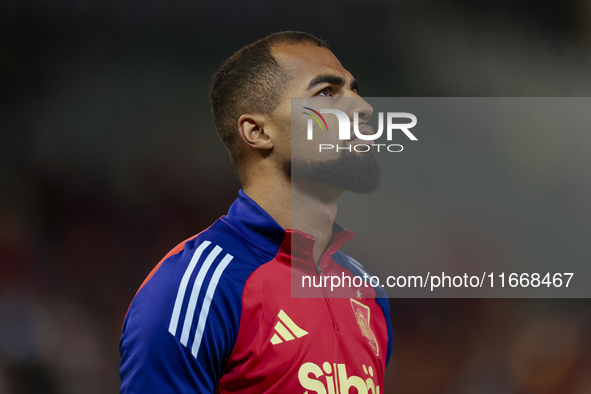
[362, 316]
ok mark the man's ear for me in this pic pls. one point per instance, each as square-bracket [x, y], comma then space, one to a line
[256, 131]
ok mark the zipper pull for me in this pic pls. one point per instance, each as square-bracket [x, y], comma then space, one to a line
[319, 270]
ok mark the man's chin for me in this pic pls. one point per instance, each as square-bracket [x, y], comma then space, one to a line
[357, 173]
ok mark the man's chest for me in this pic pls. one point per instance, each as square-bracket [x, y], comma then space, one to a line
[318, 345]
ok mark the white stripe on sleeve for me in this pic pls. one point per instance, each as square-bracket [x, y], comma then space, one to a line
[207, 302]
[195, 293]
[356, 263]
[176, 311]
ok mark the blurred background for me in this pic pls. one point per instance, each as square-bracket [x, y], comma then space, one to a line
[109, 158]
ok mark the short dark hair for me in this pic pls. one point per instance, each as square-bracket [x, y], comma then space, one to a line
[250, 81]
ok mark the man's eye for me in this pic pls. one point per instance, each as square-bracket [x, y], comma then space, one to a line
[325, 92]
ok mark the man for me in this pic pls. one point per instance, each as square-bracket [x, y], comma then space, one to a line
[216, 315]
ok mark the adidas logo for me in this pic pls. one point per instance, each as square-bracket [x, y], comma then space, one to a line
[286, 329]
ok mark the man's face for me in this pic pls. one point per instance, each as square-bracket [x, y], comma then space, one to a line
[319, 79]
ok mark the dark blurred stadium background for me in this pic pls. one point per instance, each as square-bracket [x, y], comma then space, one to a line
[109, 158]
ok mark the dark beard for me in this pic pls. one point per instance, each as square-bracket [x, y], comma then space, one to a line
[357, 173]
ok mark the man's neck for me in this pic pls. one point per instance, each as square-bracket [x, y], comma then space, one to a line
[306, 207]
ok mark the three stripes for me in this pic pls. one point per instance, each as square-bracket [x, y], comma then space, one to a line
[286, 329]
[197, 285]
[357, 264]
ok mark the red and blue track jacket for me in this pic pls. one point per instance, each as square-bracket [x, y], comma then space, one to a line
[216, 315]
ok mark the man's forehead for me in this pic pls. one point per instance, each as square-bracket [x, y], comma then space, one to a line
[306, 61]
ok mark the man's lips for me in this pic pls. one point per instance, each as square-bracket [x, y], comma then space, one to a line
[364, 129]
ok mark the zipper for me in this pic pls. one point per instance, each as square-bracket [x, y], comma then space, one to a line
[335, 244]
[326, 298]
[334, 320]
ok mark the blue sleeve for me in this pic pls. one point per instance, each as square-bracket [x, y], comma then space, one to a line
[183, 323]
[385, 305]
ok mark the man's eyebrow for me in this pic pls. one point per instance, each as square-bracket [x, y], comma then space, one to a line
[327, 78]
[333, 80]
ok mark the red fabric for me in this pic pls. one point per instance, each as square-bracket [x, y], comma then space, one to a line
[335, 356]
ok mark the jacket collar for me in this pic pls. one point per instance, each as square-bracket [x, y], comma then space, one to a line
[263, 232]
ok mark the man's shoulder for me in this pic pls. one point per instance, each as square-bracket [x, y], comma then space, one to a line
[186, 314]
[217, 240]
[357, 269]
[215, 251]
[213, 264]
[349, 263]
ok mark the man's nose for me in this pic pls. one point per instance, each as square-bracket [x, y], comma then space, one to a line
[361, 107]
